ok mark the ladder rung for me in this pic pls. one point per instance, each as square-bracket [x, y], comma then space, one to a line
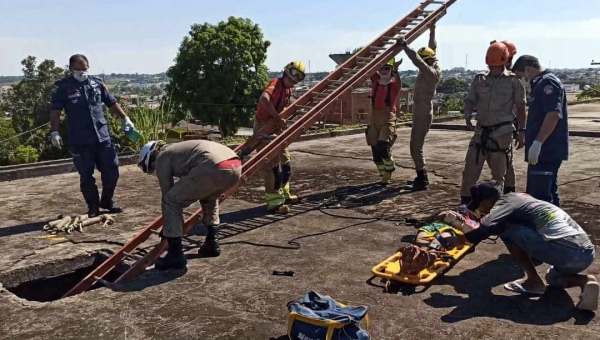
[133, 256]
[350, 69]
[321, 94]
[377, 48]
[400, 29]
[437, 2]
[364, 58]
[415, 19]
[302, 107]
[335, 81]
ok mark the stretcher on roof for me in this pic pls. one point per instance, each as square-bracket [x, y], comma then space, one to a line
[390, 268]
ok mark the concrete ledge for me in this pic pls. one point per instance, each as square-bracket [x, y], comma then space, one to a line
[593, 134]
[43, 169]
[584, 102]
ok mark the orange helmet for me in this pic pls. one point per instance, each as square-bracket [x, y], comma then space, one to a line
[497, 55]
[512, 49]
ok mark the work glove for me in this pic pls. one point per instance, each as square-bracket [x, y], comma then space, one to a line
[128, 123]
[56, 139]
[534, 152]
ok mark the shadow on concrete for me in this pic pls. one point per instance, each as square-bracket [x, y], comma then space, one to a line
[149, 278]
[22, 228]
[283, 337]
[556, 306]
[242, 221]
[239, 222]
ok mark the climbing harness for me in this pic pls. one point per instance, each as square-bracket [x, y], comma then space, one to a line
[68, 224]
[483, 148]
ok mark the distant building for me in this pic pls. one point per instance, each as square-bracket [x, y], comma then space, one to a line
[571, 88]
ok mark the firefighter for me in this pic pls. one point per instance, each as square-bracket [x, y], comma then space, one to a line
[494, 92]
[205, 170]
[510, 180]
[273, 100]
[381, 132]
[427, 81]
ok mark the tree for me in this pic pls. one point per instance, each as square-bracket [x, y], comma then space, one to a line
[8, 142]
[452, 85]
[219, 73]
[29, 104]
[24, 154]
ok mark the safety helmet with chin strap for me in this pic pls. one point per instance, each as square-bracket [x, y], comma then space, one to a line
[147, 155]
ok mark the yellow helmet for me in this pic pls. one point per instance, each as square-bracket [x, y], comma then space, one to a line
[426, 53]
[295, 70]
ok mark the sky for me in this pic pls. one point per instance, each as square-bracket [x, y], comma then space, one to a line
[143, 36]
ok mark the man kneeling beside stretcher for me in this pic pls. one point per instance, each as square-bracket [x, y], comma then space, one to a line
[533, 228]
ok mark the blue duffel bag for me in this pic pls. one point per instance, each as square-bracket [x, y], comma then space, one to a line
[319, 317]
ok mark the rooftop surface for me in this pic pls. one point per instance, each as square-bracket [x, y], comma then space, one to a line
[346, 224]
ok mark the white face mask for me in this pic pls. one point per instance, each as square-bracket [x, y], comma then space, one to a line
[385, 79]
[81, 76]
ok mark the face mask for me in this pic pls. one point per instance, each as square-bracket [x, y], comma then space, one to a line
[385, 79]
[81, 76]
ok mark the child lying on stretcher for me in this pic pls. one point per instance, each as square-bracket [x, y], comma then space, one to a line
[429, 243]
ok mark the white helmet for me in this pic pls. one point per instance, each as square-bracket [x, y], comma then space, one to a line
[146, 155]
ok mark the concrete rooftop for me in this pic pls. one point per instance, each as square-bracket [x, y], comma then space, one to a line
[331, 251]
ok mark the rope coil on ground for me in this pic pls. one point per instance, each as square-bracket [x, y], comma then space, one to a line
[68, 224]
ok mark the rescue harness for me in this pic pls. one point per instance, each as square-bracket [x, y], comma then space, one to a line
[483, 147]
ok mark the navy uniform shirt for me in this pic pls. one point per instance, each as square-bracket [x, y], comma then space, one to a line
[547, 95]
[82, 103]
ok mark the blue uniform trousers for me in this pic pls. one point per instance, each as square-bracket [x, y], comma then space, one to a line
[542, 181]
[101, 156]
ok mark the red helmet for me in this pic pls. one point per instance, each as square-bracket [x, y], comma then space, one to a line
[497, 55]
[512, 49]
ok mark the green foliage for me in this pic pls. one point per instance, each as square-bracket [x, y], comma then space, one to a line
[451, 104]
[593, 92]
[219, 73]
[149, 123]
[452, 85]
[24, 154]
[9, 144]
[29, 104]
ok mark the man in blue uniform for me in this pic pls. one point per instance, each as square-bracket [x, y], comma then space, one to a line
[547, 133]
[81, 96]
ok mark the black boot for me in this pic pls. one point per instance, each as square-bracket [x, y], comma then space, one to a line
[107, 202]
[509, 190]
[211, 247]
[91, 199]
[175, 258]
[421, 182]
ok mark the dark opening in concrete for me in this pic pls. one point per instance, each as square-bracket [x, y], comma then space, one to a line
[44, 283]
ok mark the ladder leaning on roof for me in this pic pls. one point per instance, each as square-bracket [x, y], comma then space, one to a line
[304, 112]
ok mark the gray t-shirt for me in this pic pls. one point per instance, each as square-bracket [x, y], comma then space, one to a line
[523, 210]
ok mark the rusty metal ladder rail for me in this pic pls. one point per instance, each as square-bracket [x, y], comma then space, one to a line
[285, 138]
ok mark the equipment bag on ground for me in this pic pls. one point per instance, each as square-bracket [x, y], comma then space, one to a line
[318, 317]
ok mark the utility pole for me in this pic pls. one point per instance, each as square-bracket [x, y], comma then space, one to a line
[466, 61]
[596, 75]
